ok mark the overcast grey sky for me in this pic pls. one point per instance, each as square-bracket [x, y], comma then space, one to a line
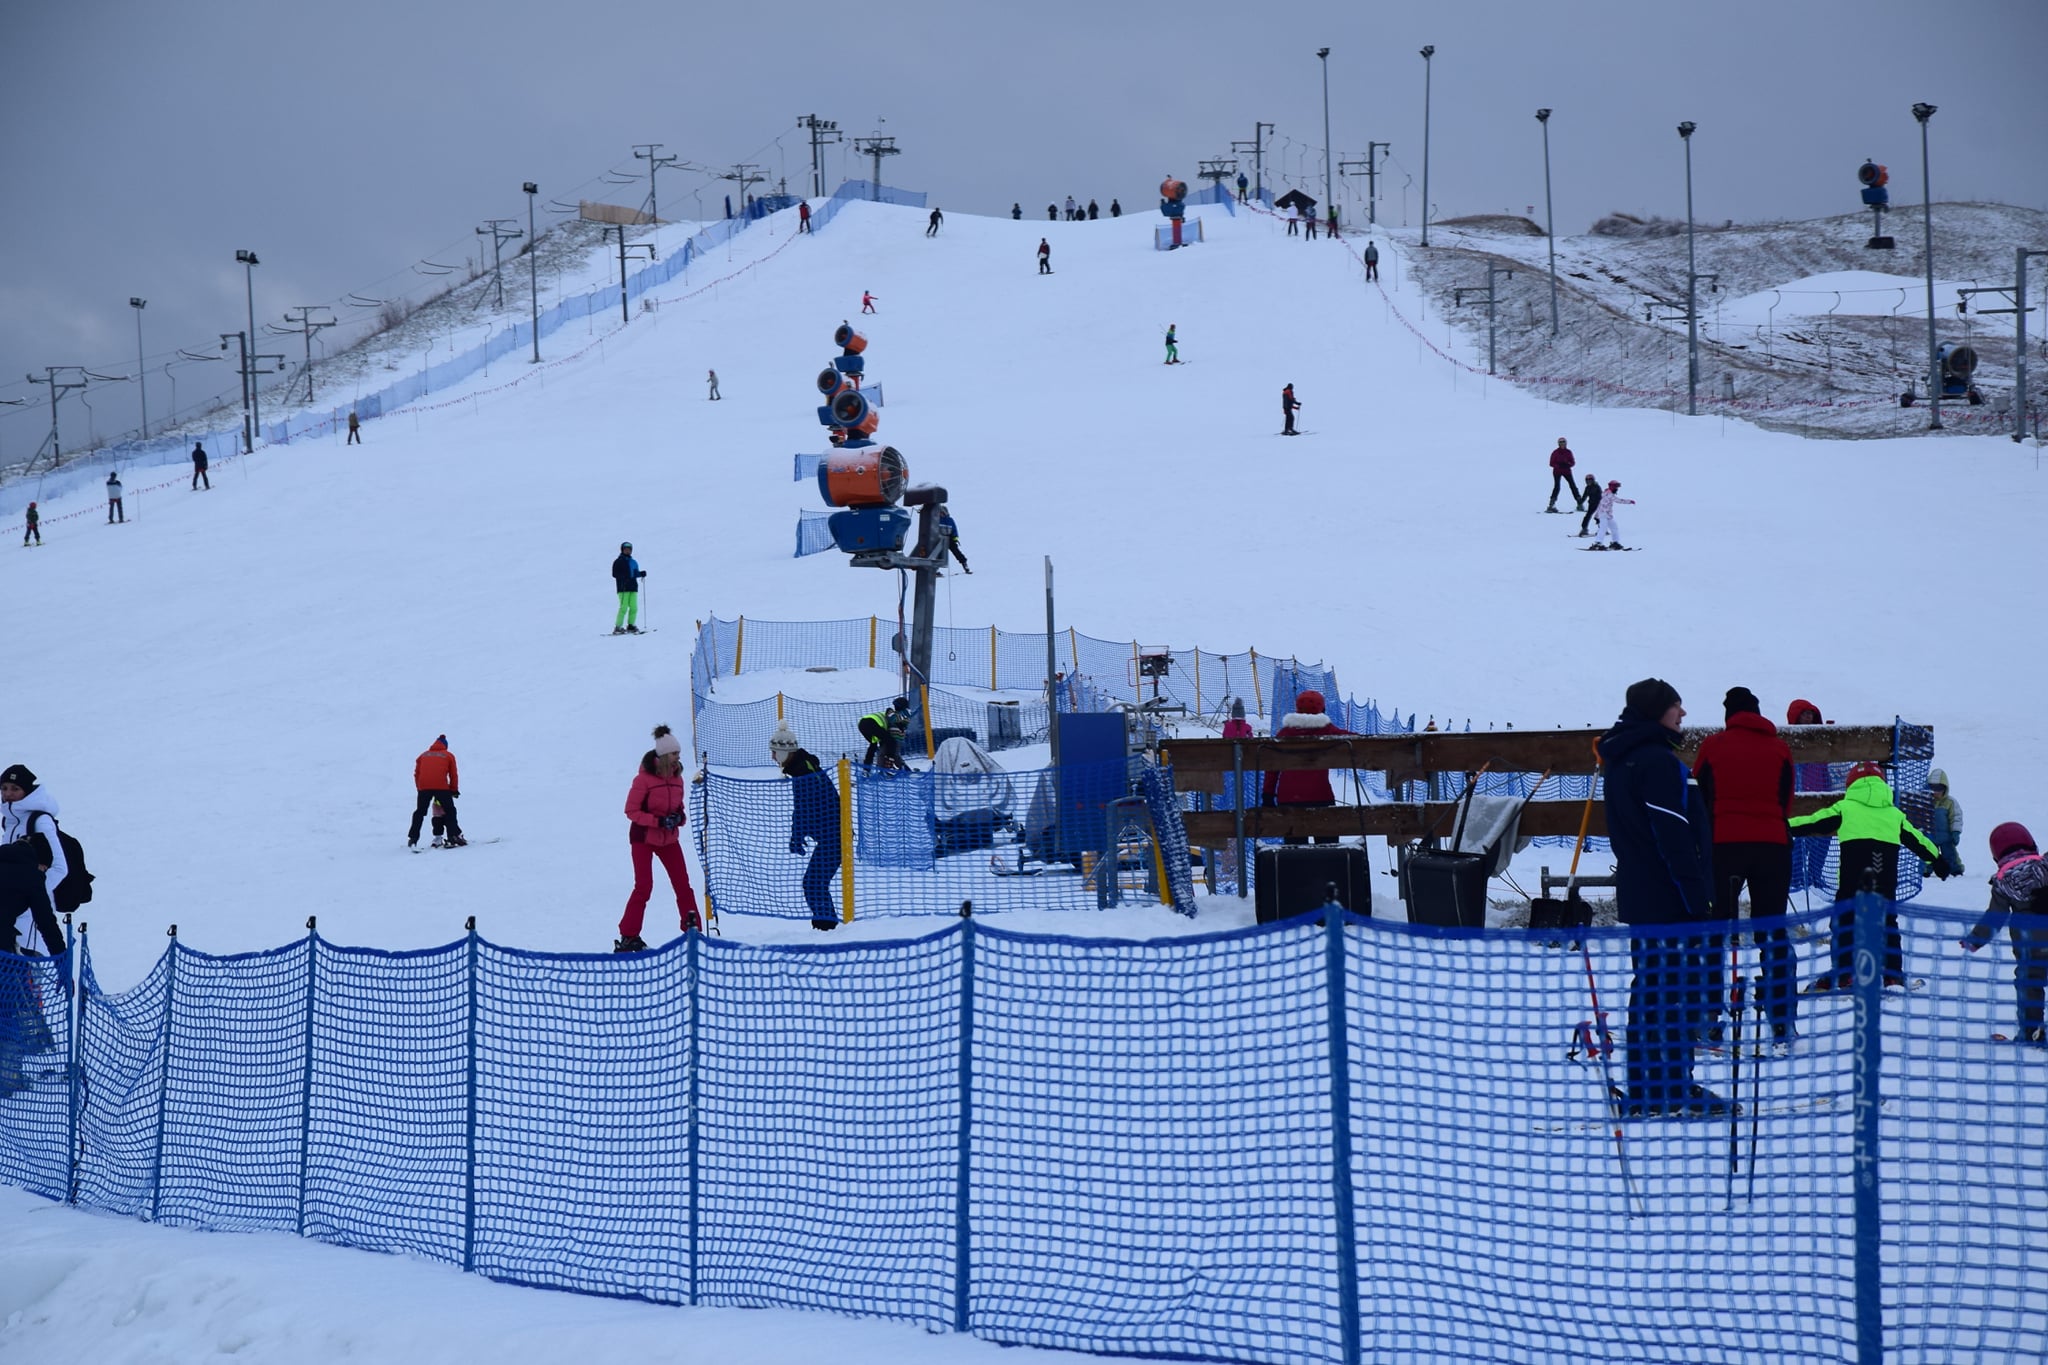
[146, 142]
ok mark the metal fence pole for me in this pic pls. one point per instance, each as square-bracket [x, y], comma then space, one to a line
[469, 1118]
[306, 1072]
[1340, 1131]
[163, 1077]
[75, 1017]
[963, 1164]
[693, 960]
[1869, 940]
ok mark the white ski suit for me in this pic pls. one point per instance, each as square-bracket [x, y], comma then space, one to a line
[1603, 520]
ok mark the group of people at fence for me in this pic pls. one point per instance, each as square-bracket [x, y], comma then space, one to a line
[1075, 213]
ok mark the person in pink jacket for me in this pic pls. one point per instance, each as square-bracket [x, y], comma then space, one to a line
[655, 806]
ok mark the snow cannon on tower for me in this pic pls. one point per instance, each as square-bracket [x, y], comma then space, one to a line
[867, 485]
[1874, 178]
[846, 412]
[850, 344]
[1173, 203]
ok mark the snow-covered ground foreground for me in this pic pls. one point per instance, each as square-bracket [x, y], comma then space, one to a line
[76, 1288]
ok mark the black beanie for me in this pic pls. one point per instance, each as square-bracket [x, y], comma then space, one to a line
[20, 776]
[1649, 700]
[1741, 699]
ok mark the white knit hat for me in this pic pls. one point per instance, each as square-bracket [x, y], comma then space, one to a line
[783, 742]
[666, 743]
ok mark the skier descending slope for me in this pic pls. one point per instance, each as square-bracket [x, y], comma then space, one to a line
[626, 576]
[1605, 537]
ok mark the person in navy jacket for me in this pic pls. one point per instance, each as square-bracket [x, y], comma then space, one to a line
[1663, 870]
[626, 576]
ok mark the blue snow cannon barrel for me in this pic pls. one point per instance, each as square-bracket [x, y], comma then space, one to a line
[869, 528]
[851, 364]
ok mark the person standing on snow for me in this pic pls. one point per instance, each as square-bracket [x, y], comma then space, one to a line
[1172, 345]
[711, 379]
[1307, 789]
[199, 468]
[2019, 887]
[1244, 186]
[1308, 224]
[1070, 208]
[936, 219]
[1372, 260]
[115, 512]
[1809, 856]
[1044, 257]
[813, 823]
[626, 576]
[803, 215]
[1016, 213]
[1589, 499]
[1659, 836]
[355, 430]
[1289, 405]
[34, 527]
[1561, 476]
[1116, 210]
[655, 806]
[867, 302]
[1093, 214]
[434, 778]
[1948, 822]
[1052, 213]
[1745, 780]
[27, 808]
[1869, 830]
[1607, 537]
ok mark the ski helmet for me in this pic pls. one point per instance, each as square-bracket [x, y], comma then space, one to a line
[625, 545]
[903, 703]
[2009, 838]
[1863, 770]
[1614, 485]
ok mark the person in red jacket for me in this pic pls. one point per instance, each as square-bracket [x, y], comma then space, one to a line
[435, 778]
[1561, 476]
[1745, 778]
[1309, 788]
[655, 806]
[803, 215]
[1809, 856]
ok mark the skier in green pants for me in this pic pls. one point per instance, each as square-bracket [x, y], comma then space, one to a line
[626, 576]
[1172, 346]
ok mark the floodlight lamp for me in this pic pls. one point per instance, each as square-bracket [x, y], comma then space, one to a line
[1543, 116]
[138, 303]
[1428, 51]
[1923, 112]
[530, 187]
[247, 258]
[1685, 129]
[1323, 52]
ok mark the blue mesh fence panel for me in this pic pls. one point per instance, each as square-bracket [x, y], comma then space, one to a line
[583, 1121]
[830, 1125]
[35, 1075]
[122, 1061]
[1151, 1161]
[387, 1148]
[892, 819]
[737, 734]
[1163, 802]
[807, 467]
[813, 533]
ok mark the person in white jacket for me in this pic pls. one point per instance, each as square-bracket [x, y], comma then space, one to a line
[25, 803]
[1605, 537]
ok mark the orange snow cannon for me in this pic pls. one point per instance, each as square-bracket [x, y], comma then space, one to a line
[848, 340]
[831, 382]
[863, 478]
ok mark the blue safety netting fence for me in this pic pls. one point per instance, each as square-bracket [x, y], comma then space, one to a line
[1327, 1139]
[923, 843]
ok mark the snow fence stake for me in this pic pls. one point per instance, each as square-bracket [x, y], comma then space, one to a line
[469, 1118]
[1868, 1204]
[1340, 1129]
[963, 1177]
[163, 1077]
[74, 1013]
[691, 961]
[306, 1074]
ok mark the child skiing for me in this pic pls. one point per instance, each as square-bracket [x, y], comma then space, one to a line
[867, 302]
[1607, 538]
[436, 782]
[1589, 499]
[1948, 823]
[1172, 345]
[2020, 887]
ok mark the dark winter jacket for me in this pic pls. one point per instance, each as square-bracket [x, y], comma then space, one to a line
[1659, 831]
[199, 457]
[1745, 777]
[1288, 402]
[2019, 887]
[1303, 788]
[814, 801]
[627, 573]
[1561, 460]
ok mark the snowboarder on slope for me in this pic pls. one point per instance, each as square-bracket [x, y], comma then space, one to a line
[655, 806]
[1288, 404]
[1607, 538]
[2020, 886]
[434, 777]
[34, 527]
[626, 576]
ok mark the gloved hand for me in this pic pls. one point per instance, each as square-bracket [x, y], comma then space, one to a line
[454, 796]
[673, 820]
[1940, 871]
[796, 844]
[641, 574]
[1969, 945]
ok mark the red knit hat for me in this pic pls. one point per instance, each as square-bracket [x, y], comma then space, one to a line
[1309, 703]
[2010, 838]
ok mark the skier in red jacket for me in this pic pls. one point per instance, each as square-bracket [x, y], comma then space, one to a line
[1745, 778]
[1310, 788]
[436, 780]
[1561, 463]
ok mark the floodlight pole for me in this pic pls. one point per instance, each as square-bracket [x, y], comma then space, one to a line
[1692, 306]
[250, 413]
[1924, 112]
[1329, 162]
[533, 269]
[1549, 217]
[142, 375]
[1428, 51]
[822, 131]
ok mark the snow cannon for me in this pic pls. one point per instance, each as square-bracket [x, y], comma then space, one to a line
[831, 382]
[865, 530]
[1874, 178]
[848, 340]
[850, 415]
[1958, 363]
[1173, 197]
[864, 478]
[850, 365]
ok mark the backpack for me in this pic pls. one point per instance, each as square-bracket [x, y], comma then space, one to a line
[76, 888]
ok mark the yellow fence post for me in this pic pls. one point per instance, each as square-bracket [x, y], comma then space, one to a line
[924, 698]
[1073, 651]
[739, 647]
[845, 840]
[778, 706]
[991, 658]
[1159, 868]
[871, 641]
[1258, 693]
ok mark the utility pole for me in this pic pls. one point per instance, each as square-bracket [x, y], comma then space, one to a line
[1428, 51]
[249, 412]
[500, 231]
[532, 269]
[1257, 147]
[746, 174]
[140, 374]
[823, 132]
[643, 151]
[2019, 298]
[625, 314]
[1924, 112]
[58, 388]
[876, 148]
[1371, 186]
[1493, 272]
[1692, 280]
[307, 325]
[1329, 158]
[1549, 217]
[1217, 171]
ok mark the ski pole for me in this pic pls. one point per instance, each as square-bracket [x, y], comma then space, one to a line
[1736, 1009]
[1605, 1039]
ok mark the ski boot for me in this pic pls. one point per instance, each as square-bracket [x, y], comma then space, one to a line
[453, 841]
[631, 943]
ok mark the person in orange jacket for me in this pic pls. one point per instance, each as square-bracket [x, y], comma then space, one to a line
[434, 776]
[656, 807]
